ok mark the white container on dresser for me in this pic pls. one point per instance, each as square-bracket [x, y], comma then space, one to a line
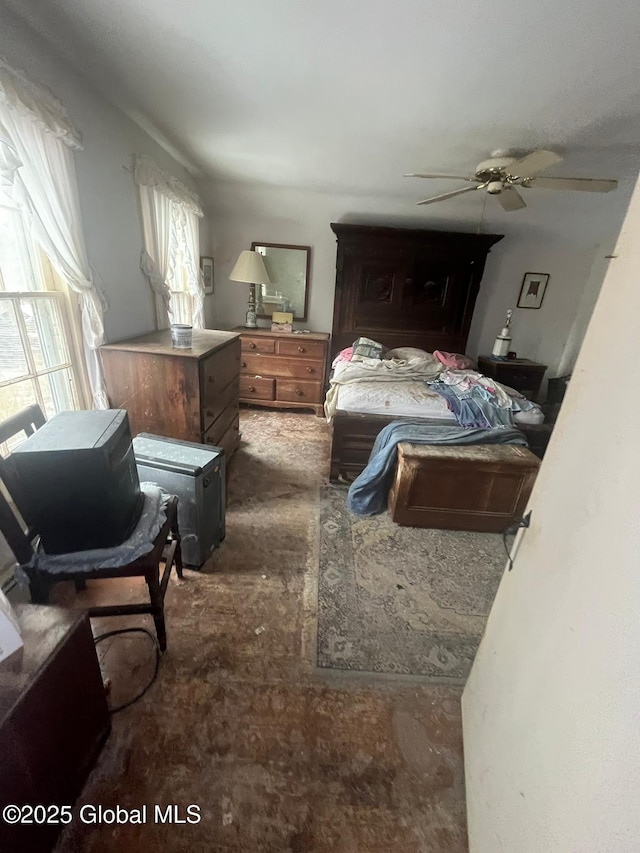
[283, 370]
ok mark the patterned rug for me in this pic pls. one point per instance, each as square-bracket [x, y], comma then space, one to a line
[400, 599]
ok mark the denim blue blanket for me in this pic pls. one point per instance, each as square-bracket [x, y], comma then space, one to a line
[368, 493]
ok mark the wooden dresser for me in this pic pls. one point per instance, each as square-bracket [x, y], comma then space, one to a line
[191, 394]
[282, 369]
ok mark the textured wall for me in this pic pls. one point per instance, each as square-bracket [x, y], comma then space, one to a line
[552, 743]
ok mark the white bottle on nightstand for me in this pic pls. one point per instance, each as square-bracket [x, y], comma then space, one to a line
[503, 340]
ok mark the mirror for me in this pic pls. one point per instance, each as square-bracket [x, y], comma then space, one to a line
[288, 269]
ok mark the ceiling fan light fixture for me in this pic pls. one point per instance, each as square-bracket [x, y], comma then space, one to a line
[503, 173]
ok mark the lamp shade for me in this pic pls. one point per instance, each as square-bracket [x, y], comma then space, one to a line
[250, 268]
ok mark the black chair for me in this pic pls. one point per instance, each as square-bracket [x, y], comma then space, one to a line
[19, 535]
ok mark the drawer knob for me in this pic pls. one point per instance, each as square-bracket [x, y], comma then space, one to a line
[243, 364]
[298, 392]
[210, 379]
[252, 345]
[309, 369]
[251, 388]
[301, 349]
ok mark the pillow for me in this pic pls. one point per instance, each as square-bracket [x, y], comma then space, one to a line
[409, 353]
[455, 360]
[366, 348]
[343, 355]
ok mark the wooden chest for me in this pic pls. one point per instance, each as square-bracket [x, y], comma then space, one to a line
[283, 370]
[482, 487]
[191, 394]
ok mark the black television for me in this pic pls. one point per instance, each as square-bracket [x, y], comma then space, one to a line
[77, 483]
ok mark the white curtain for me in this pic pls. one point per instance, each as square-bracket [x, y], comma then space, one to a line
[189, 228]
[9, 161]
[170, 213]
[41, 139]
[157, 259]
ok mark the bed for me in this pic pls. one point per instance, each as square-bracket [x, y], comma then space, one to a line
[403, 288]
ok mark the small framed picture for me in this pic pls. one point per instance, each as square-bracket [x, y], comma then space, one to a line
[532, 291]
[206, 265]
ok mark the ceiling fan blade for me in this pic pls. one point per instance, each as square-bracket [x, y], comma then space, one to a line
[450, 195]
[510, 199]
[533, 163]
[589, 185]
[447, 177]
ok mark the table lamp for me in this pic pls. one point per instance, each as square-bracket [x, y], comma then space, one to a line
[250, 268]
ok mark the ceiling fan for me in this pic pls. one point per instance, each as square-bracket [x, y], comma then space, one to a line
[502, 173]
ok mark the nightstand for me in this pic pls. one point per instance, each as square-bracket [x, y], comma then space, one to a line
[521, 374]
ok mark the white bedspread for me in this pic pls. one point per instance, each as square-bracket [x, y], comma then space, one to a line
[411, 399]
[397, 387]
[376, 372]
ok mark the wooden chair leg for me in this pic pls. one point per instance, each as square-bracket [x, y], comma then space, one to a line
[175, 534]
[157, 604]
[39, 589]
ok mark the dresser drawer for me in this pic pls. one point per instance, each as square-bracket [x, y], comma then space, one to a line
[258, 345]
[300, 348]
[521, 380]
[253, 387]
[279, 366]
[218, 404]
[298, 391]
[219, 370]
[221, 425]
[228, 440]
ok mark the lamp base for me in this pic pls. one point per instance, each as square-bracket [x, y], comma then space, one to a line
[250, 317]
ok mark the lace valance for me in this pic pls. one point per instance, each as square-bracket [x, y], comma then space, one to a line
[19, 93]
[147, 173]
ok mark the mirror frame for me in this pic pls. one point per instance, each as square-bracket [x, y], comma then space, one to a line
[307, 249]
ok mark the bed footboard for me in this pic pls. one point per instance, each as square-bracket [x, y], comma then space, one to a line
[353, 436]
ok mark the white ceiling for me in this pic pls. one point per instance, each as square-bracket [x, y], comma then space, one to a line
[346, 95]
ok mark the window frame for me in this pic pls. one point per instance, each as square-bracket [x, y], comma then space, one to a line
[47, 286]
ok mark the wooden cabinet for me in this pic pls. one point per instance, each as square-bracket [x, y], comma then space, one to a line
[519, 373]
[406, 287]
[54, 720]
[283, 370]
[191, 394]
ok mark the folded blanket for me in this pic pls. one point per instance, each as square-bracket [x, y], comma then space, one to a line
[368, 493]
[140, 542]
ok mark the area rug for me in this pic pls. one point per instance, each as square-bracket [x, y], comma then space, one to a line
[400, 599]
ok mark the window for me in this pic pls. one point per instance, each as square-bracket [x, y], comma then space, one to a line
[170, 255]
[181, 301]
[36, 353]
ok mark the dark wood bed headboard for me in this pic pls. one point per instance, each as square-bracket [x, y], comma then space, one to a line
[406, 287]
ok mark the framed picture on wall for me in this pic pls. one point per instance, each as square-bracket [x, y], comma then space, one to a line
[532, 291]
[206, 265]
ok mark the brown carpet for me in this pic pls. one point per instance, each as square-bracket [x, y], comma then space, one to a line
[278, 755]
[401, 599]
